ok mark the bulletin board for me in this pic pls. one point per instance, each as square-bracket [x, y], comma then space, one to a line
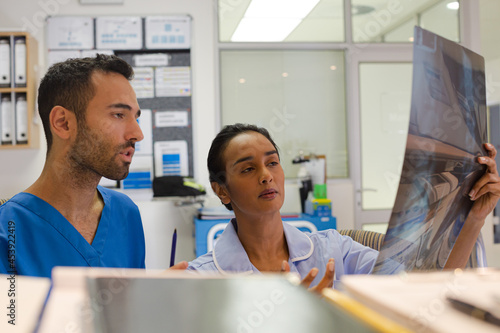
[158, 48]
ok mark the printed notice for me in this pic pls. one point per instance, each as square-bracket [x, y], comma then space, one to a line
[171, 119]
[70, 32]
[140, 173]
[153, 59]
[168, 32]
[143, 82]
[119, 33]
[173, 81]
[171, 158]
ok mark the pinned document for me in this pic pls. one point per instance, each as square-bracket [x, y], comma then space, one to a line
[119, 32]
[173, 81]
[70, 32]
[171, 158]
[168, 32]
[4, 62]
[143, 83]
[20, 62]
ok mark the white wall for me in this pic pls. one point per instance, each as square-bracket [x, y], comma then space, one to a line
[19, 168]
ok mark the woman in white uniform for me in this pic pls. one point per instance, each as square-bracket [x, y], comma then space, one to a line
[246, 174]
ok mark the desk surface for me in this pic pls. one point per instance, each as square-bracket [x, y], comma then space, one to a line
[418, 300]
[237, 304]
[140, 301]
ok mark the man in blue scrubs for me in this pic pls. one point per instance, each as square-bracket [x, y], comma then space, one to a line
[89, 113]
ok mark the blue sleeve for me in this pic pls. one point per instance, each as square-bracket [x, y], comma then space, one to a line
[350, 257]
[357, 258]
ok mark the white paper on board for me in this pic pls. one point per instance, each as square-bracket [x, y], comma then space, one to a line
[173, 81]
[119, 32]
[151, 59]
[143, 83]
[70, 32]
[168, 32]
[171, 158]
[171, 119]
[140, 172]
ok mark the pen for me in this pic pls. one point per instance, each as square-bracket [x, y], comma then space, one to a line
[474, 311]
[174, 243]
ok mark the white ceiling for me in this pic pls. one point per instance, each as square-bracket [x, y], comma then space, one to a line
[325, 21]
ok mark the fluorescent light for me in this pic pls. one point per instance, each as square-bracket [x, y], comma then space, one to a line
[280, 8]
[264, 30]
[271, 20]
[453, 5]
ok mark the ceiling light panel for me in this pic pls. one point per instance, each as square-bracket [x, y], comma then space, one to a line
[264, 29]
[280, 8]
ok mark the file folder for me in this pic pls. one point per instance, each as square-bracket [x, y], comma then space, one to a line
[6, 108]
[20, 62]
[21, 119]
[4, 62]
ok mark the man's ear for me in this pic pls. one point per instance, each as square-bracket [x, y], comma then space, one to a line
[221, 192]
[62, 122]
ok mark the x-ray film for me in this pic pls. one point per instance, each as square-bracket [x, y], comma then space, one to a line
[448, 126]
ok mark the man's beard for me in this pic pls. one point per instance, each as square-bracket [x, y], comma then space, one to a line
[92, 152]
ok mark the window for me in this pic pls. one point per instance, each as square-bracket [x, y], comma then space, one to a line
[380, 21]
[321, 75]
[385, 95]
[299, 96]
[281, 20]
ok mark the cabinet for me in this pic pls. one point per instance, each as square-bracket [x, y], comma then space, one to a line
[206, 231]
[18, 54]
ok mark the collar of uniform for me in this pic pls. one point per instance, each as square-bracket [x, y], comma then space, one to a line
[230, 257]
[300, 246]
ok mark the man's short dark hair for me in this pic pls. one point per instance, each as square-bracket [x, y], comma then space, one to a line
[68, 84]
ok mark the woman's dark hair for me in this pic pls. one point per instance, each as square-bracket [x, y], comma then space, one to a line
[215, 161]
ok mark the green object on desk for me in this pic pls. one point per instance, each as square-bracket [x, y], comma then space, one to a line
[320, 191]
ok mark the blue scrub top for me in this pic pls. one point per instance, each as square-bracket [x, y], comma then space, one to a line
[35, 237]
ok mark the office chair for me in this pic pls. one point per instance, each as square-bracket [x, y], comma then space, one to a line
[375, 239]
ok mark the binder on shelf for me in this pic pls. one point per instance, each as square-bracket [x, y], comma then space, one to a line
[4, 62]
[6, 108]
[20, 62]
[21, 119]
